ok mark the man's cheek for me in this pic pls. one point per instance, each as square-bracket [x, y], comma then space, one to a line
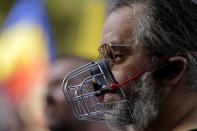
[119, 76]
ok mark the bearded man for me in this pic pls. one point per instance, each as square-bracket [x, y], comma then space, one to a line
[155, 39]
[165, 98]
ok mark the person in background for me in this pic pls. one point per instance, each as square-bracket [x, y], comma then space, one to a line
[58, 113]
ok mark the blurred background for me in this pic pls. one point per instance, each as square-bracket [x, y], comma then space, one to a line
[73, 22]
[40, 42]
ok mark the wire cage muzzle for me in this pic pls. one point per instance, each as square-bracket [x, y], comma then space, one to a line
[104, 79]
[83, 94]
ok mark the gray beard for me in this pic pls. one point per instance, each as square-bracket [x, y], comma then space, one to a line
[144, 106]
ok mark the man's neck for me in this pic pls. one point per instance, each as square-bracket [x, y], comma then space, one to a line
[188, 123]
[178, 113]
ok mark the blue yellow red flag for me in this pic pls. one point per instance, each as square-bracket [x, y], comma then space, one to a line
[26, 47]
[26, 50]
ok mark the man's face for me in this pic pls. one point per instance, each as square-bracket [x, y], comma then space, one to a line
[141, 91]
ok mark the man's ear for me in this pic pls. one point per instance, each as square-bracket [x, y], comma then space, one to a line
[175, 71]
[170, 73]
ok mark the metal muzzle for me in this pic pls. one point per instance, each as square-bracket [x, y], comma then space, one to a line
[85, 87]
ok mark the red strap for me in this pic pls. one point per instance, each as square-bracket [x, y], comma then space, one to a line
[115, 86]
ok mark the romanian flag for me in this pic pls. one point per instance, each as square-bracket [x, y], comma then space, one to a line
[26, 50]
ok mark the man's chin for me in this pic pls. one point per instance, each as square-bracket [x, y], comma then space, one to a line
[110, 97]
[117, 124]
[117, 117]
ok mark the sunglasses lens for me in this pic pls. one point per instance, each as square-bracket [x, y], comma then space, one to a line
[106, 52]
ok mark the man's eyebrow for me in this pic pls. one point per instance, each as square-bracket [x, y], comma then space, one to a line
[121, 44]
[123, 49]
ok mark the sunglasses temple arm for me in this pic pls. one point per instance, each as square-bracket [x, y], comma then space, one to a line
[116, 86]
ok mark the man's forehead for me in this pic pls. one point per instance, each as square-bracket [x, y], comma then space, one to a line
[119, 25]
[120, 16]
